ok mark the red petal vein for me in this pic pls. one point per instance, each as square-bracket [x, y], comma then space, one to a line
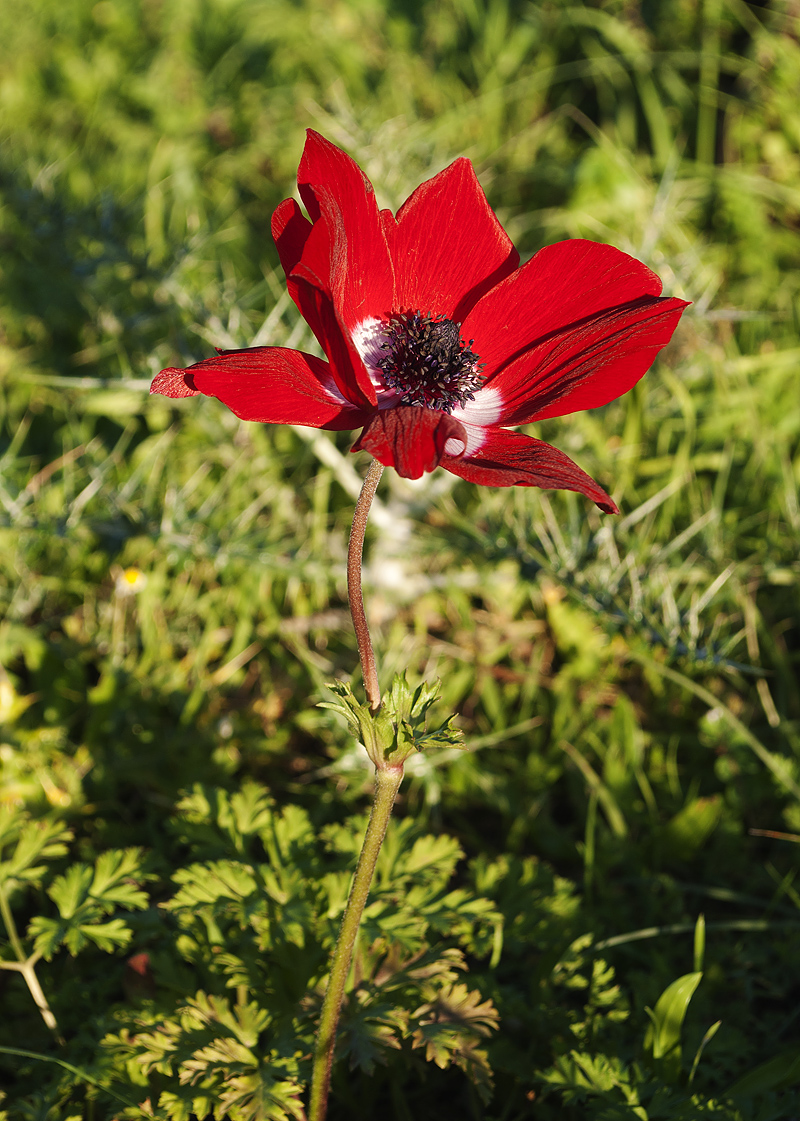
[447, 245]
[174, 383]
[508, 459]
[269, 384]
[561, 284]
[586, 364]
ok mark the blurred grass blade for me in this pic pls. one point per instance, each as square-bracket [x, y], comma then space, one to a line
[81, 1074]
[712, 1031]
[699, 943]
[775, 764]
[781, 1072]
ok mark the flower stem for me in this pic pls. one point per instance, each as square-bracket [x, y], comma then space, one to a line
[354, 553]
[26, 966]
[10, 925]
[387, 783]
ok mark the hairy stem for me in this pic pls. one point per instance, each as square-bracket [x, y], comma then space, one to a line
[387, 783]
[354, 553]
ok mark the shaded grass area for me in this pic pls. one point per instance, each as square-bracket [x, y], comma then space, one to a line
[174, 601]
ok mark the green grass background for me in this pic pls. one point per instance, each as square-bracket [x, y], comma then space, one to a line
[628, 688]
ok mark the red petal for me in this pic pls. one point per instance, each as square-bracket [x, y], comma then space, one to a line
[346, 253]
[447, 245]
[174, 383]
[586, 364]
[346, 366]
[560, 285]
[269, 384]
[344, 273]
[290, 229]
[508, 459]
[409, 439]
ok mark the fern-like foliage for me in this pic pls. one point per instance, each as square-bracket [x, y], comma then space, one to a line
[257, 914]
[84, 896]
[209, 1052]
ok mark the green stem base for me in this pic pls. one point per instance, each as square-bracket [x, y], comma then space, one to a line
[387, 783]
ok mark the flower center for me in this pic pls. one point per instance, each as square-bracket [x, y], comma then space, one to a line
[424, 358]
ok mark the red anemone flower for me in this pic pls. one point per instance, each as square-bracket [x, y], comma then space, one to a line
[437, 341]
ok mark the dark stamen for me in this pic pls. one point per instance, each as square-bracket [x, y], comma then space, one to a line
[428, 362]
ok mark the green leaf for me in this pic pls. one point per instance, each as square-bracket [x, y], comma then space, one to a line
[779, 1073]
[208, 883]
[84, 895]
[245, 1021]
[47, 935]
[211, 818]
[371, 1028]
[712, 1031]
[691, 827]
[399, 728]
[11, 821]
[699, 943]
[108, 936]
[374, 730]
[71, 891]
[259, 1097]
[663, 1037]
[84, 890]
[182, 1106]
[213, 1049]
[111, 882]
[449, 1029]
[35, 840]
[578, 1071]
[433, 857]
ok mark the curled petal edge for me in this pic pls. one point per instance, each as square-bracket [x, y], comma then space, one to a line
[412, 440]
[174, 383]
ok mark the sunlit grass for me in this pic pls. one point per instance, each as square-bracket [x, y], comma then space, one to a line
[172, 579]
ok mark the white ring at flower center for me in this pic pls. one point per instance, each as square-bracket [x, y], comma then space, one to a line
[368, 338]
[485, 408]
